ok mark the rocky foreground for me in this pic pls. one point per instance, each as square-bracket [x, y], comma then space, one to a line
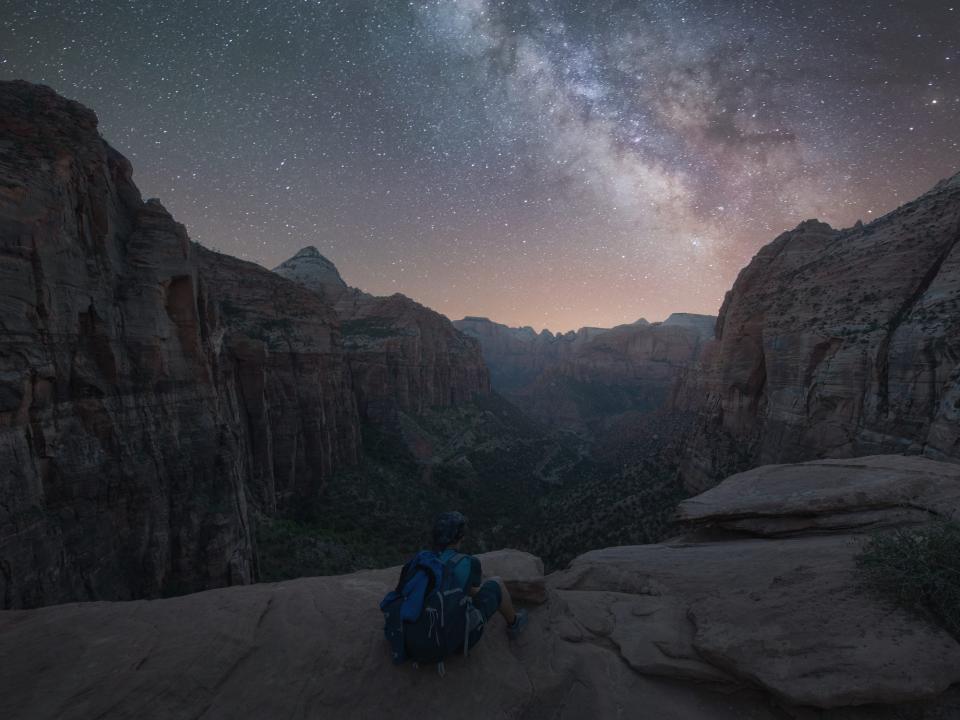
[755, 612]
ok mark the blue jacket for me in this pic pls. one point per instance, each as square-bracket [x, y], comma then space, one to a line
[467, 572]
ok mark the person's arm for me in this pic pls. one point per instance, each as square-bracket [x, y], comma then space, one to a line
[476, 577]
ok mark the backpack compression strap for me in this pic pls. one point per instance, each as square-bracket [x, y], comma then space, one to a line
[404, 573]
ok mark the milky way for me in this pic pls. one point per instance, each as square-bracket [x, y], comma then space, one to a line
[554, 163]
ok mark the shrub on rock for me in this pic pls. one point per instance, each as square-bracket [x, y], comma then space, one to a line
[919, 569]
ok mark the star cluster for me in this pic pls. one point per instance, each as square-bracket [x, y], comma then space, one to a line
[555, 163]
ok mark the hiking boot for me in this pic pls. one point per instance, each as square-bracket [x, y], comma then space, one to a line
[519, 623]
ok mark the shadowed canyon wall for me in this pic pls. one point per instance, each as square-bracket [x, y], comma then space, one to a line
[401, 354]
[584, 380]
[837, 343]
[156, 398]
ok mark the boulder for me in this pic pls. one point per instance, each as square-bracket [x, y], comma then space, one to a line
[829, 496]
[521, 572]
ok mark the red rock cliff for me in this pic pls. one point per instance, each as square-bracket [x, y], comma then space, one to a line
[154, 396]
[838, 343]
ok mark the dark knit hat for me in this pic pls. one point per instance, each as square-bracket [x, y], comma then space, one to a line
[448, 528]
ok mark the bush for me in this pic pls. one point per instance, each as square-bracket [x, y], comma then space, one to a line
[288, 549]
[919, 569]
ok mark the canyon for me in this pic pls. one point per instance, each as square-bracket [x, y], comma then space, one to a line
[586, 380]
[697, 489]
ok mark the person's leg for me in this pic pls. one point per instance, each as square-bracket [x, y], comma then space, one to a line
[506, 602]
[516, 619]
[493, 597]
[489, 598]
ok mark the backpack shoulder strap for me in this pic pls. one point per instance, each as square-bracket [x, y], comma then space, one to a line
[450, 567]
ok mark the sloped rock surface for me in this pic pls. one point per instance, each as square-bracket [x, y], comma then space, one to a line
[154, 396]
[708, 626]
[310, 648]
[837, 343]
[764, 591]
[785, 615]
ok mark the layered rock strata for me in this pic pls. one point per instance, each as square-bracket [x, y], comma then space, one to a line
[517, 356]
[766, 621]
[836, 343]
[584, 380]
[154, 396]
[402, 355]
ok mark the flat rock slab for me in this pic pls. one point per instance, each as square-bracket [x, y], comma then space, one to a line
[830, 495]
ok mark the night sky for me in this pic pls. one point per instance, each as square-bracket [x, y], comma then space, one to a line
[552, 163]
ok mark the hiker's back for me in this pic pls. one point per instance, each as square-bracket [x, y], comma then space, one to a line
[426, 616]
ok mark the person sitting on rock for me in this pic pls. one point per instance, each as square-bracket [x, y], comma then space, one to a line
[441, 603]
[490, 596]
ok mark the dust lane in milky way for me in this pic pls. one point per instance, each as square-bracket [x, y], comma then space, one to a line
[553, 163]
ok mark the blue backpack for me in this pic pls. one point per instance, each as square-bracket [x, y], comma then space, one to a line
[428, 615]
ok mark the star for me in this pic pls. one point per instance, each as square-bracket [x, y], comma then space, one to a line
[538, 155]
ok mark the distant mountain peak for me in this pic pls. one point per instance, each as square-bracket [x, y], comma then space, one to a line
[704, 324]
[310, 268]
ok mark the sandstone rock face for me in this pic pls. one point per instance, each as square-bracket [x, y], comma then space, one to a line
[154, 396]
[838, 343]
[402, 355]
[406, 356]
[718, 624]
[583, 380]
[280, 359]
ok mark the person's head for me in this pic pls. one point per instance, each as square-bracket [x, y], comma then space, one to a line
[448, 529]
